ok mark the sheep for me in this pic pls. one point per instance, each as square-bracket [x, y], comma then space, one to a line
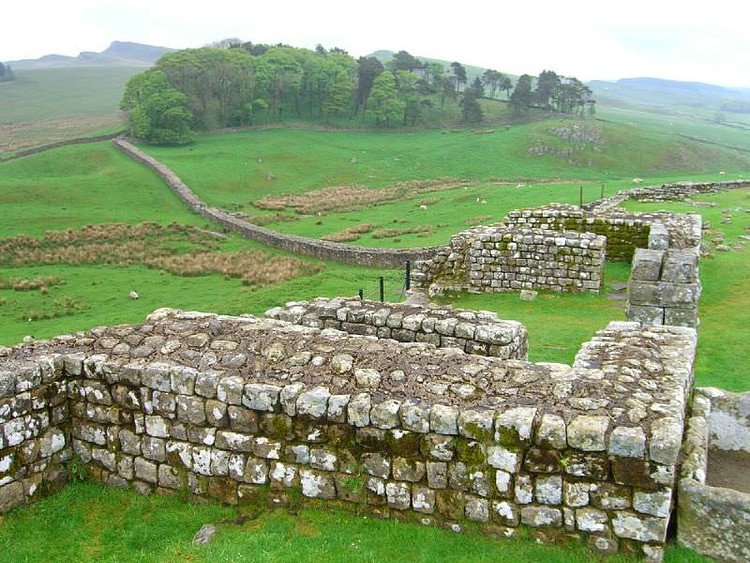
[133, 295]
[423, 207]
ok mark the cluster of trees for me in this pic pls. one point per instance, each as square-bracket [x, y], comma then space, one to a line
[552, 93]
[233, 83]
[6, 73]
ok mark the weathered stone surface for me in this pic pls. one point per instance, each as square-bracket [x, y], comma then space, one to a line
[515, 426]
[316, 484]
[398, 495]
[588, 433]
[314, 402]
[540, 516]
[261, 397]
[444, 419]
[641, 528]
[627, 442]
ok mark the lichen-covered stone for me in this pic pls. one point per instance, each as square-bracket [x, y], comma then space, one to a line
[261, 396]
[514, 426]
[627, 442]
[588, 433]
[541, 516]
[444, 419]
[314, 402]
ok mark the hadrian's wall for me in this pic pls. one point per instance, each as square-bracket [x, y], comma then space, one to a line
[325, 250]
[474, 332]
[241, 409]
[506, 258]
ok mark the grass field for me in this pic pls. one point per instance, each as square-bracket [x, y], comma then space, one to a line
[86, 522]
[47, 105]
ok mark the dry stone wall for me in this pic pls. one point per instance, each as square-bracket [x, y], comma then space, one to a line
[473, 332]
[714, 521]
[241, 408]
[506, 258]
[372, 257]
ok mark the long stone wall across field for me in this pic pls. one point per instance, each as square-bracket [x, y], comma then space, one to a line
[242, 408]
[325, 250]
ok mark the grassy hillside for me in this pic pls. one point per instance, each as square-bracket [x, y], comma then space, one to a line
[47, 105]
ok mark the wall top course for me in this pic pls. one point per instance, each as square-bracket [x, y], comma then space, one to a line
[625, 376]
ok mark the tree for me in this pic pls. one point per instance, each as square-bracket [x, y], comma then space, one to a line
[157, 112]
[471, 110]
[404, 61]
[459, 73]
[520, 99]
[384, 103]
[491, 79]
[369, 68]
[547, 86]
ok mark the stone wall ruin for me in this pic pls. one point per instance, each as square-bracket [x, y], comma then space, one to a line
[226, 407]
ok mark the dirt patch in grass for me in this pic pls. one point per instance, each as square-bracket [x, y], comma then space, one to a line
[17, 136]
[351, 198]
[729, 469]
[179, 249]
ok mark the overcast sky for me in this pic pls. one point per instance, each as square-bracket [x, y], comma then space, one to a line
[588, 39]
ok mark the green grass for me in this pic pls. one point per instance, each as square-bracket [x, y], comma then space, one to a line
[81, 185]
[87, 522]
[46, 105]
[723, 354]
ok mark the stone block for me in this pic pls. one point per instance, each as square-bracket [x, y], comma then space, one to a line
[541, 516]
[506, 513]
[358, 412]
[665, 440]
[645, 314]
[640, 528]
[234, 441]
[627, 442]
[591, 520]
[477, 509]
[423, 499]
[322, 459]
[552, 432]
[437, 474]
[313, 403]
[385, 415]
[242, 419]
[677, 316]
[337, 408]
[647, 264]
[377, 465]
[681, 266]
[548, 490]
[444, 419]
[408, 470]
[288, 397]
[190, 409]
[398, 495]
[415, 416]
[230, 390]
[261, 397]
[588, 433]
[476, 425]
[514, 426]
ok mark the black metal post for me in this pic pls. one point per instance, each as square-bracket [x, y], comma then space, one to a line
[382, 290]
[580, 196]
[361, 293]
[602, 194]
[408, 275]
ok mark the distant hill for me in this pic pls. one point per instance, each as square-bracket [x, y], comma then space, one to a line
[661, 93]
[119, 53]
